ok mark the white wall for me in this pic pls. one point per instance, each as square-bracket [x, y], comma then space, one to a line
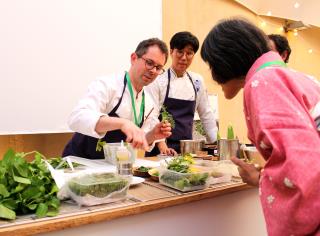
[51, 50]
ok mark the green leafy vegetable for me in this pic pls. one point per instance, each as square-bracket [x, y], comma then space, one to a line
[182, 175]
[26, 187]
[100, 145]
[143, 169]
[166, 116]
[59, 162]
[180, 164]
[7, 213]
[230, 134]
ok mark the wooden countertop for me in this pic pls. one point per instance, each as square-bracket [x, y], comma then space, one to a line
[100, 213]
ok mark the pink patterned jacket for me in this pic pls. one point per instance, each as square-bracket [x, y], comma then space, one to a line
[281, 106]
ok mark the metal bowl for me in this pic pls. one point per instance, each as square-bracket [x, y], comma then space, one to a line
[191, 146]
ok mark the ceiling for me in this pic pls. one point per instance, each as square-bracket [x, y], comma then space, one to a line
[306, 11]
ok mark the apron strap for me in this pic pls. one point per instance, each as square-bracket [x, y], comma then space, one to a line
[168, 86]
[194, 88]
[120, 100]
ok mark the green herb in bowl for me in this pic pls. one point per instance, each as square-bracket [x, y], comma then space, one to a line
[141, 171]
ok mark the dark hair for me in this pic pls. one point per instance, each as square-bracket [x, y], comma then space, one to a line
[231, 48]
[181, 39]
[281, 44]
[144, 45]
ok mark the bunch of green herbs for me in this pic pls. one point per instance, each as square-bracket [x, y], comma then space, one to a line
[166, 116]
[180, 164]
[26, 187]
[100, 145]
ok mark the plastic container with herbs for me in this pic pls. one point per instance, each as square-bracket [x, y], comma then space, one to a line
[97, 188]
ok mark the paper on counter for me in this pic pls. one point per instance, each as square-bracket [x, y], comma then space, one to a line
[146, 163]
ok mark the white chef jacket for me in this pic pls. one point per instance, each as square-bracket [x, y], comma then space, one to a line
[101, 97]
[181, 88]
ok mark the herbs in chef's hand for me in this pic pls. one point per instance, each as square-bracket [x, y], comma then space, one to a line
[166, 116]
[100, 145]
[26, 187]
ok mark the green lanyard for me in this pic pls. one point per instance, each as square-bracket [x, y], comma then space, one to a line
[137, 121]
[270, 63]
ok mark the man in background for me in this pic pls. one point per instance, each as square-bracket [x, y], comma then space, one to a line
[182, 93]
[281, 45]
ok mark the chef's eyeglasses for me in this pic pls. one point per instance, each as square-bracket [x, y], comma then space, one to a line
[180, 53]
[150, 65]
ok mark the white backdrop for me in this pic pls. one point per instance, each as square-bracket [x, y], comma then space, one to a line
[51, 50]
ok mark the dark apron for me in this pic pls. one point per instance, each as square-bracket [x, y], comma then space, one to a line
[183, 114]
[85, 146]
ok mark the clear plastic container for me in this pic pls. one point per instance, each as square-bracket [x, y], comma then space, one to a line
[110, 152]
[97, 188]
[184, 181]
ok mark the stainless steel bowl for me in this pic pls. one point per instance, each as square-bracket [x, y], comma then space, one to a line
[191, 146]
[228, 148]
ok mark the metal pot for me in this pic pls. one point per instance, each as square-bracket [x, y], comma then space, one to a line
[191, 146]
[228, 148]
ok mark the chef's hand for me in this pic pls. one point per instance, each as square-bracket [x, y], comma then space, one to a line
[248, 172]
[135, 135]
[169, 152]
[160, 131]
[164, 149]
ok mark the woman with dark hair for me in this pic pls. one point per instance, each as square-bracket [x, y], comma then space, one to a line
[282, 108]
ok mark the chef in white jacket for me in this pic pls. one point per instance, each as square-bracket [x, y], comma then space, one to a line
[116, 107]
[182, 93]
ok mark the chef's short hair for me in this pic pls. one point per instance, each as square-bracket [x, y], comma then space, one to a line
[231, 48]
[182, 39]
[144, 45]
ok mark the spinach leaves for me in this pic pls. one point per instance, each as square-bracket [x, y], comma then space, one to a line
[26, 187]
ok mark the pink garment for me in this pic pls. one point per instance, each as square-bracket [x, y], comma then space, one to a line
[277, 104]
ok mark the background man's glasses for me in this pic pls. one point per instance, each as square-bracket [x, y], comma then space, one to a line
[180, 53]
[150, 65]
